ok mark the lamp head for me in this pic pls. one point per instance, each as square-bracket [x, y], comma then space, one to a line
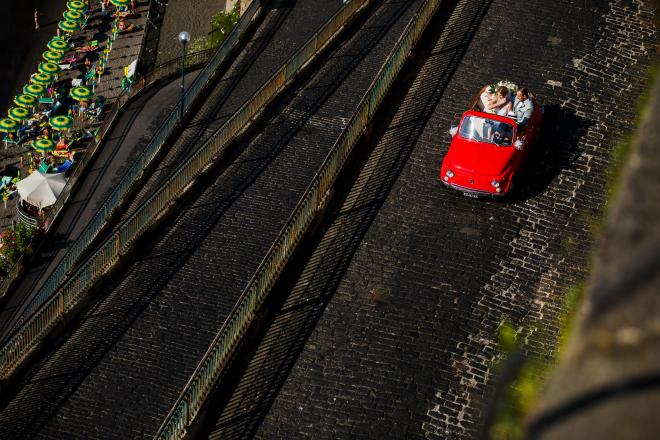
[184, 37]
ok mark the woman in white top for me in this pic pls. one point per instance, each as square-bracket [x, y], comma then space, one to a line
[500, 102]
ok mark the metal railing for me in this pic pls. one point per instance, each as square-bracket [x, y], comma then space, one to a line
[254, 295]
[132, 176]
[24, 217]
[53, 309]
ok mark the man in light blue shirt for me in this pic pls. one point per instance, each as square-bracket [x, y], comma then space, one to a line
[523, 107]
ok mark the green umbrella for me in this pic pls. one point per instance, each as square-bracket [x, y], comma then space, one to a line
[60, 122]
[42, 79]
[57, 44]
[67, 25]
[35, 90]
[19, 113]
[53, 56]
[8, 125]
[73, 15]
[25, 100]
[81, 94]
[48, 67]
[120, 2]
[76, 5]
[43, 145]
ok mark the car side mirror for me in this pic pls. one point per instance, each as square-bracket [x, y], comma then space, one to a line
[453, 130]
[518, 144]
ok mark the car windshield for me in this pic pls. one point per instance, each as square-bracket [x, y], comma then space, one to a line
[480, 129]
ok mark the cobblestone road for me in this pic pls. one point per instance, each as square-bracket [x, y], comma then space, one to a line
[389, 330]
[604, 385]
[117, 374]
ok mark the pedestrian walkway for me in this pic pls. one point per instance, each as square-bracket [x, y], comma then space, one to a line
[125, 50]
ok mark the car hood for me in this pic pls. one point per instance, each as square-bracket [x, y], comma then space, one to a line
[479, 158]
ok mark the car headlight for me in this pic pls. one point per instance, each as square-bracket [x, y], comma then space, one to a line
[495, 183]
[449, 173]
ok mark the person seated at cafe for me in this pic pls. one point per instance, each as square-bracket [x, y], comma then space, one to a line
[56, 106]
[88, 47]
[33, 130]
[123, 27]
[22, 131]
[62, 144]
[123, 13]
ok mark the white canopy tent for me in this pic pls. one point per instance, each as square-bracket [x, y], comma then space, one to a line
[41, 190]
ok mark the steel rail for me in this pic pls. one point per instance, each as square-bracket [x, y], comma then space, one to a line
[227, 339]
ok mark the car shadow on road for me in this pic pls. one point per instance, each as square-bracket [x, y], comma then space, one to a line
[555, 149]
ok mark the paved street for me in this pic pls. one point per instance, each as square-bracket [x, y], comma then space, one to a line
[389, 329]
[387, 326]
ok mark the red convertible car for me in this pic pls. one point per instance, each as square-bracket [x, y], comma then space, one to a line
[487, 150]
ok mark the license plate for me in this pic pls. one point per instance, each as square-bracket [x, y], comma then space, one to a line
[472, 195]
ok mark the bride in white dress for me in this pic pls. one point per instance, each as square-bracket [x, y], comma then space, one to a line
[500, 103]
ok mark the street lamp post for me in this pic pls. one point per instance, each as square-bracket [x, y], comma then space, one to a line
[184, 38]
